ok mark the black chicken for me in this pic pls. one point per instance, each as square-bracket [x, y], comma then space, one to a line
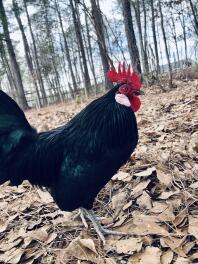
[76, 160]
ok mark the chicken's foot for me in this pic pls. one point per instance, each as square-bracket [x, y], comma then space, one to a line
[82, 216]
[100, 230]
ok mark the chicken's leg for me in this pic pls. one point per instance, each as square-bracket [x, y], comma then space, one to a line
[100, 230]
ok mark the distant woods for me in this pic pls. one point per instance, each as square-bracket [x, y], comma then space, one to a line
[53, 50]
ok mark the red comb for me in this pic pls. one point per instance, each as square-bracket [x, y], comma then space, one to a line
[124, 76]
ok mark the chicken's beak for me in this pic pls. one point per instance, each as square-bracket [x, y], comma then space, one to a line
[140, 92]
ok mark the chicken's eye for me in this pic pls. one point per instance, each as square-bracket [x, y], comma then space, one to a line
[125, 89]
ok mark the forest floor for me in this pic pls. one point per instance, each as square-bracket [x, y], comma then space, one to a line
[154, 197]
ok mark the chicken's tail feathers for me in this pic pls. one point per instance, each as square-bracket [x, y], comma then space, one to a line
[8, 107]
[13, 124]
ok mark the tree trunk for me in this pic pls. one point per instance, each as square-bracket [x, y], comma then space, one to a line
[66, 49]
[131, 39]
[89, 50]
[195, 15]
[6, 65]
[14, 64]
[160, 48]
[53, 55]
[182, 21]
[8, 75]
[173, 28]
[166, 46]
[136, 6]
[37, 64]
[67, 73]
[145, 37]
[77, 27]
[26, 49]
[98, 24]
[155, 39]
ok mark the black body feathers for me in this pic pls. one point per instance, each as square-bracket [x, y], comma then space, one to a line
[73, 161]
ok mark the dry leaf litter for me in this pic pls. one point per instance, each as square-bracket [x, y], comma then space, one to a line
[154, 197]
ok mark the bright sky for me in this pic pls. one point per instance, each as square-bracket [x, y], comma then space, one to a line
[106, 7]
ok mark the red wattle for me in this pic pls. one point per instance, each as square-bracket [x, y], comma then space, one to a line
[135, 103]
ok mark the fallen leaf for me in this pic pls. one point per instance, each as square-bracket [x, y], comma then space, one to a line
[135, 258]
[39, 234]
[80, 248]
[140, 218]
[67, 220]
[151, 255]
[150, 229]
[88, 243]
[194, 185]
[145, 173]
[45, 196]
[3, 205]
[175, 244]
[167, 257]
[127, 205]
[144, 201]
[121, 220]
[181, 260]
[160, 127]
[121, 176]
[139, 188]
[159, 207]
[194, 256]
[167, 194]
[125, 246]
[188, 246]
[167, 215]
[143, 225]
[3, 226]
[181, 218]
[51, 238]
[8, 245]
[118, 201]
[193, 226]
[31, 255]
[12, 256]
[164, 178]
[105, 261]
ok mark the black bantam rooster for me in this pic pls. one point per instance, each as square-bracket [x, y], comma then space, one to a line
[76, 160]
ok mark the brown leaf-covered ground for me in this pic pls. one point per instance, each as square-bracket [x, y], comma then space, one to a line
[154, 197]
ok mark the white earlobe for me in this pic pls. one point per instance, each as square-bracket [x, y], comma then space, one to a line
[122, 99]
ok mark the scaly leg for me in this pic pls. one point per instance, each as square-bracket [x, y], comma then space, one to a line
[82, 216]
[100, 230]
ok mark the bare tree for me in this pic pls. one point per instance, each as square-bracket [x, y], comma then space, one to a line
[183, 24]
[66, 48]
[14, 64]
[99, 28]
[195, 15]
[136, 6]
[174, 35]
[37, 64]
[166, 46]
[26, 49]
[155, 38]
[53, 56]
[131, 39]
[89, 52]
[77, 27]
[6, 66]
